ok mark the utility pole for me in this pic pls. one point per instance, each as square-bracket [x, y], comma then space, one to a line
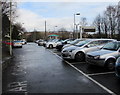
[10, 27]
[74, 27]
[75, 31]
[118, 26]
[45, 31]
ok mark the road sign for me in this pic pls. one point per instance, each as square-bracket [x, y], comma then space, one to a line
[88, 28]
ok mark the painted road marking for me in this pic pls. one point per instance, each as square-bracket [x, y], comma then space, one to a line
[95, 74]
[106, 89]
[18, 86]
[77, 63]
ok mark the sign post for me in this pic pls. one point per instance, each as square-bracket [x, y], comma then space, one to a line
[86, 29]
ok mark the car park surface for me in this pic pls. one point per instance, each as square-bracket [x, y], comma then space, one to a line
[44, 75]
[105, 77]
[50, 73]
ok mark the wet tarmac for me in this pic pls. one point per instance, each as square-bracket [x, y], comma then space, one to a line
[34, 69]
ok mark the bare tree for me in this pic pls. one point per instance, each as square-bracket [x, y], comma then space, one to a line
[6, 16]
[63, 33]
[118, 20]
[97, 23]
[83, 21]
[104, 25]
[110, 12]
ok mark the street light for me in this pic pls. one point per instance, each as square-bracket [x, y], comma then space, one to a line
[10, 27]
[74, 21]
[55, 27]
[45, 31]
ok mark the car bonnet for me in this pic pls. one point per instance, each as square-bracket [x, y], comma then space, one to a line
[100, 52]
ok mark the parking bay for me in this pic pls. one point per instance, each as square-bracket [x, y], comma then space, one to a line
[102, 75]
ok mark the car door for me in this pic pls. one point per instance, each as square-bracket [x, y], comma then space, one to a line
[92, 46]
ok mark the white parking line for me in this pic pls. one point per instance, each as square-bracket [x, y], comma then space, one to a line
[95, 74]
[76, 63]
[106, 89]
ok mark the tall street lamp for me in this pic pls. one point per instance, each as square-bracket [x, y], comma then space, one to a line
[54, 28]
[10, 27]
[45, 31]
[74, 22]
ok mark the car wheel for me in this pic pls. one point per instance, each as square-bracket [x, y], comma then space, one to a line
[111, 64]
[80, 56]
[51, 46]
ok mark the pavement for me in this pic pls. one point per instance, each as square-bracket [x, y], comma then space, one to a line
[35, 69]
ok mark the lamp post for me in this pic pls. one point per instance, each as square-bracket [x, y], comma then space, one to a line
[45, 31]
[10, 28]
[77, 30]
[75, 23]
[118, 15]
[55, 27]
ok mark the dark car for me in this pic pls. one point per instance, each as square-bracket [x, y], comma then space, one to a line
[117, 68]
[67, 41]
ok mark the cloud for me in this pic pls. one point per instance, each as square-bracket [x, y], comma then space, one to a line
[66, 0]
[33, 21]
[33, 15]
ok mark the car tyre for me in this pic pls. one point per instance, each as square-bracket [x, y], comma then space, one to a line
[110, 64]
[80, 56]
[50, 46]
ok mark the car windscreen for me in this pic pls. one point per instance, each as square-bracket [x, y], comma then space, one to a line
[112, 46]
[55, 40]
[74, 42]
[81, 43]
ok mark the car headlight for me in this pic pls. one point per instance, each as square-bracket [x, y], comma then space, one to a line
[97, 57]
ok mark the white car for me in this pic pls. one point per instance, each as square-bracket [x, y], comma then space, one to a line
[17, 44]
[53, 43]
[79, 50]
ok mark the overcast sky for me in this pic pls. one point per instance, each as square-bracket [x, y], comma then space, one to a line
[60, 14]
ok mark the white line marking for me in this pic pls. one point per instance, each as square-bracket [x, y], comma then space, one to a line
[106, 89]
[77, 63]
[100, 73]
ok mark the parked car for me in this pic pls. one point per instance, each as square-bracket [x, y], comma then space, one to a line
[106, 56]
[46, 41]
[53, 43]
[17, 44]
[79, 50]
[40, 42]
[117, 68]
[36, 41]
[64, 42]
[23, 42]
[72, 43]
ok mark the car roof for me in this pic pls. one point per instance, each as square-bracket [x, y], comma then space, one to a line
[100, 39]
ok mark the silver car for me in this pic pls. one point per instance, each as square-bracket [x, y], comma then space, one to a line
[106, 56]
[72, 43]
[117, 68]
[79, 50]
